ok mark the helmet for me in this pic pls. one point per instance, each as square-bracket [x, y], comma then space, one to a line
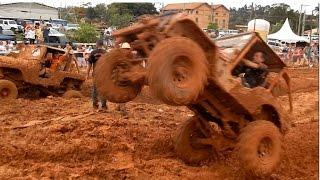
[125, 45]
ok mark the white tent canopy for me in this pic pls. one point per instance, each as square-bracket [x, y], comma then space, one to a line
[287, 35]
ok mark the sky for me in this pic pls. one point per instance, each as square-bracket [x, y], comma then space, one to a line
[295, 4]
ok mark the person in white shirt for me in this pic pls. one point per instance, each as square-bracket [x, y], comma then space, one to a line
[3, 49]
[32, 35]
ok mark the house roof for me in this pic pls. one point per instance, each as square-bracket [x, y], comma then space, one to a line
[27, 4]
[216, 6]
[176, 6]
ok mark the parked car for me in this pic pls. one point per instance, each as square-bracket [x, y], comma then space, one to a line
[9, 24]
[7, 34]
[57, 39]
[276, 45]
[56, 23]
[228, 32]
[72, 27]
[6, 38]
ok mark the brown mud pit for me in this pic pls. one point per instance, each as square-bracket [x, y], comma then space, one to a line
[63, 138]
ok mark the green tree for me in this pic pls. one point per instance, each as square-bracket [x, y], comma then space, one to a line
[135, 9]
[91, 13]
[86, 33]
[118, 16]
[276, 27]
[100, 11]
[213, 26]
[122, 14]
[120, 20]
[276, 14]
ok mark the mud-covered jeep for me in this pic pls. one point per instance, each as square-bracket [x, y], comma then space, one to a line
[185, 67]
[24, 74]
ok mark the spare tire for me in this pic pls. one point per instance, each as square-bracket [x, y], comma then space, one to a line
[8, 90]
[108, 68]
[178, 70]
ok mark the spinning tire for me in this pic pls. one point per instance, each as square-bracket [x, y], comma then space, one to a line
[107, 77]
[178, 71]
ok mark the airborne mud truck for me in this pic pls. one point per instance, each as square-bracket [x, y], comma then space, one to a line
[184, 67]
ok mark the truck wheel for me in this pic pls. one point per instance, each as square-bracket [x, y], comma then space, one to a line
[178, 71]
[8, 90]
[72, 94]
[259, 148]
[184, 144]
[108, 80]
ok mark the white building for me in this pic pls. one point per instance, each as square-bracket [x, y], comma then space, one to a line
[28, 10]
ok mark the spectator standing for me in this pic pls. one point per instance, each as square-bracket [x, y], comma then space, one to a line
[307, 54]
[2, 47]
[39, 33]
[80, 55]
[80, 48]
[315, 51]
[32, 35]
[93, 58]
[62, 29]
[108, 36]
[26, 34]
[45, 33]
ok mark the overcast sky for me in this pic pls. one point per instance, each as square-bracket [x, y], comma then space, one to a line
[295, 4]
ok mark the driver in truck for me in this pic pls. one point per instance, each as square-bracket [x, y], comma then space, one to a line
[254, 72]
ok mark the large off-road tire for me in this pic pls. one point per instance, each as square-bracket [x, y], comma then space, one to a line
[8, 90]
[72, 94]
[178, 70]
[107, 77]
[259, 148]
[183, 143]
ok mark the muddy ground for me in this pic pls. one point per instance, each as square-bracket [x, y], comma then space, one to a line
[66, 139]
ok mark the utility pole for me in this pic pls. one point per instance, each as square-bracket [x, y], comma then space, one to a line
[299, 20]
[251, 14]
[303, 22]
[300, 17]
[319, 20]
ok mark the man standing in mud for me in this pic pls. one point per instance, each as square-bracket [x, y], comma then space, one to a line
[93, 58]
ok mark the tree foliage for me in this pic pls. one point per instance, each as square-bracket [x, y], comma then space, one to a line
[115, 14]
[275, 14]
[86, 33]
[213, 26]
[91, 13]
[121, 14]
[135, 9]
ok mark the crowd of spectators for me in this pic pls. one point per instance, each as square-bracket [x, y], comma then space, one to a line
[36, 34]
[300, 56]
[6, 47]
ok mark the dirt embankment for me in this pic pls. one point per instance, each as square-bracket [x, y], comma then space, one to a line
[59, 138]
